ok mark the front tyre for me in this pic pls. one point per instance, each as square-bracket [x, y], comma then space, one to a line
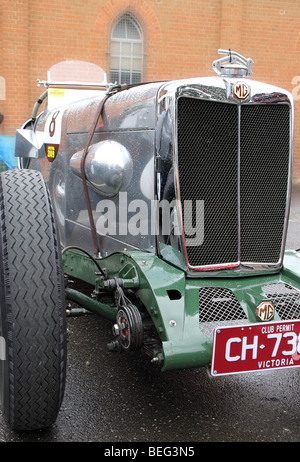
[32, 303]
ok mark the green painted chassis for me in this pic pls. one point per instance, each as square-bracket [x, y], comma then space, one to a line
[176, 318]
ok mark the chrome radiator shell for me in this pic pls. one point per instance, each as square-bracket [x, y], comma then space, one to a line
[233, 172]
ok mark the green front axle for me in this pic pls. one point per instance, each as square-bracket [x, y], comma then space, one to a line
[168, 298]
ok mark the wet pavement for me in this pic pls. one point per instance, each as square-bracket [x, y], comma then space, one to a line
[115, 397]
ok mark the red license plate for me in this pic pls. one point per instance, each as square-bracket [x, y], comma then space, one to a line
[256, 347]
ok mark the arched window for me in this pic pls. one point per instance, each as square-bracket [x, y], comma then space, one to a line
[126, 51]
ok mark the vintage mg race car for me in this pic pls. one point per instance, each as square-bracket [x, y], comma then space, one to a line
[170, 200]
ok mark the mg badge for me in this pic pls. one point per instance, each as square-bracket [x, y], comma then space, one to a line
[241, 90]
[265, 311]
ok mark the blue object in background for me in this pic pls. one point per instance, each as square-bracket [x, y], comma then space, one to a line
[7, 153]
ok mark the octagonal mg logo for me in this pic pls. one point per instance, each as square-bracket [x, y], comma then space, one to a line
[241, 90]
[265, 311]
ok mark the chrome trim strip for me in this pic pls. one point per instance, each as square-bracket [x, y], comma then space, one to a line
[239, 184]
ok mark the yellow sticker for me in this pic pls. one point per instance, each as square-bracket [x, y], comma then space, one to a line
[57, 92]
[51, 151]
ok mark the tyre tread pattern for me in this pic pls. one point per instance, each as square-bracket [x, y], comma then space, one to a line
[34, 294]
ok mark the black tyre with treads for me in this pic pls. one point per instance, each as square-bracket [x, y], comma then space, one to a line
[32, 303]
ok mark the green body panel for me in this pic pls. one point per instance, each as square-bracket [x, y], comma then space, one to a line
[171, 298]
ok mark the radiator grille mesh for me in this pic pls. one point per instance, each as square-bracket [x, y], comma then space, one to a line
[236, 160]
[264, 176]
[218, 307]
[286, 300]
[208, 159]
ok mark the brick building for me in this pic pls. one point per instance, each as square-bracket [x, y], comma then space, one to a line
[144, 40]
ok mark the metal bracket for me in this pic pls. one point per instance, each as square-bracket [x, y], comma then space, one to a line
[72, 85]
[233, 65]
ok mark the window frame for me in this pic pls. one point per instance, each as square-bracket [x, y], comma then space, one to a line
[123, 42]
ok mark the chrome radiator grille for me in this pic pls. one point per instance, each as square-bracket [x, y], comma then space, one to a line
[218, 307]
[236, 160]
[285, 298]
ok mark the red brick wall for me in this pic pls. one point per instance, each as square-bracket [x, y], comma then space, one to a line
[182, 40]
[15, 63]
